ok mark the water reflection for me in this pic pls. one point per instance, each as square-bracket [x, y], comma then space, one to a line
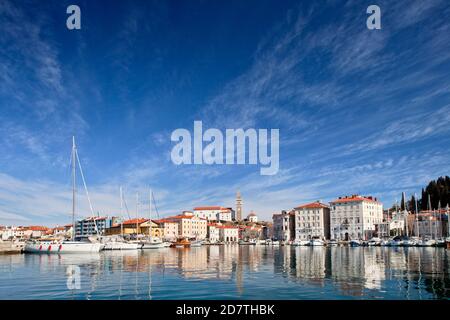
[248, 272]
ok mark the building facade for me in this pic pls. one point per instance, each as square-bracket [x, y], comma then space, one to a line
[355, 217]
[190, 226]
[228, 233]
[312, 221]
[93, 226]
[283, 226]
[213, 233]
[170, 229]
[252, 217]
[239, 204]
[214, 213]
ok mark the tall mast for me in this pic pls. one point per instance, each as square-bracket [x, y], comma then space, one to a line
[74, 150]
[121, 211]
[405, 213]
[431, 218]
[150, 215]
[417, 215]
[137, 214]
[440, 219]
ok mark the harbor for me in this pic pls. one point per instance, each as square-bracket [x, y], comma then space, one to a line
[235, 271]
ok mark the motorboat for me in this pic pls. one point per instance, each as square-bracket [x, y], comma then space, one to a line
[121, 245]
[375, 241]
[152, 243]
[181, 243]
[426, 243]
[317, 243]
[250, 242]
[301, 243]
[355, 243]
[410, 242]
[440, 242]
[196, 243]
[276, 243]
[333, 243]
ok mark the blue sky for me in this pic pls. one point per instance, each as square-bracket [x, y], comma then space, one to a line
[359, 111]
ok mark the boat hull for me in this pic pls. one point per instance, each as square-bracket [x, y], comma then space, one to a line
[121, 246]
[156, 245]
[63, 247]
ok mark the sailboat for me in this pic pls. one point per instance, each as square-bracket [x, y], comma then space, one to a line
[68, 246]
[151, 242]
[118, 243]
[428, 242]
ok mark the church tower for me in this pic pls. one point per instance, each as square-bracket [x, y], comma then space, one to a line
[238, 206]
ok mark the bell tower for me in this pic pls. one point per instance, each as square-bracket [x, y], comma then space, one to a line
[238, 206]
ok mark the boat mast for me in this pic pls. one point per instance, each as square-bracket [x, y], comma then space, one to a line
[431, 218]
[137, 214]
[440, 219]
[121, 211]
[73, 186]
[405, 213]
[417, 215]
[150, 216]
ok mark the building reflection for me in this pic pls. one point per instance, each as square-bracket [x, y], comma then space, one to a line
[412, 273]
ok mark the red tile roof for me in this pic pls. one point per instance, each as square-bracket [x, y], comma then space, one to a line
[36, 228]
[135, 221]
[163, 221]
[208, 208]
[355, 198]
[312, 205]
[227, 227]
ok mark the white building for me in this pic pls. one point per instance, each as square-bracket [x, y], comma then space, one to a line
[355, 217]
[13, 233]
[214, 213]
[170, 229]
[252, 217]
[432, 224]
[283, 226]
[228, 233]
[189, 225]
[213, 233]
[312, 220]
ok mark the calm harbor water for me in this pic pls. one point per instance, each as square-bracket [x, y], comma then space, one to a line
[232, 272]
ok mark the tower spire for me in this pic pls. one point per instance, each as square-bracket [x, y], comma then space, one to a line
[238, 206]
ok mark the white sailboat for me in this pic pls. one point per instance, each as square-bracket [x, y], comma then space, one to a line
[68, 246]
[151, 243]
[116, 243]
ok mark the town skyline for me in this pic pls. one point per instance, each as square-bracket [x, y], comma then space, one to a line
[359, 111]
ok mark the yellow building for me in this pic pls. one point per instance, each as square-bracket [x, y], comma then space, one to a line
[133, 226]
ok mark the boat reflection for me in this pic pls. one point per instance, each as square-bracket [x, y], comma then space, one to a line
[343, 272]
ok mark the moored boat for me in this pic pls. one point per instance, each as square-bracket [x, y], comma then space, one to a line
[426, 243]
[333, 243]
[121, 245]
[317, 243]
[375, 241]
[301, 243]
[181, 243]
[62, 247]
[196, 243]
[355, 243]
[152, 243]
[247, 243]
